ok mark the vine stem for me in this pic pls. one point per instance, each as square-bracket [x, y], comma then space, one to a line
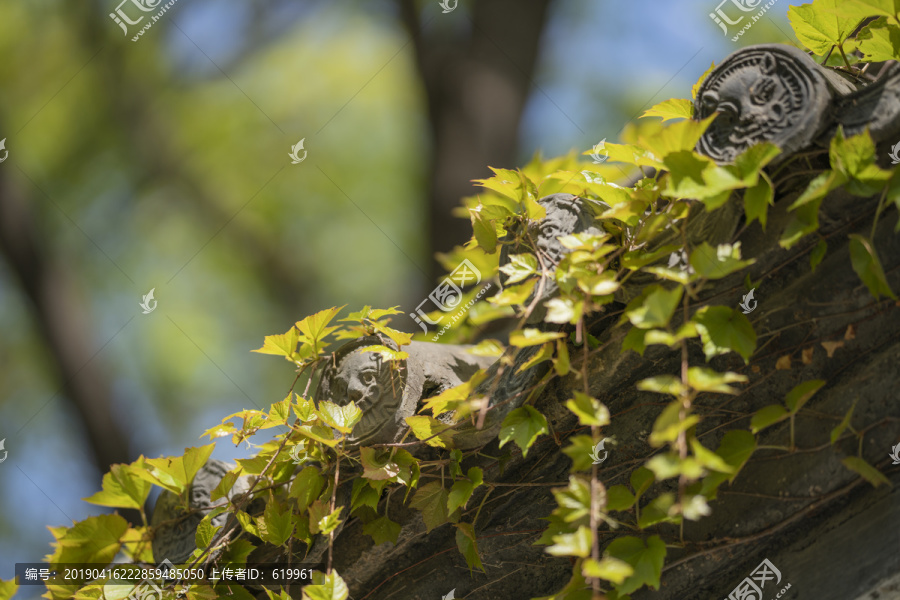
[878, 212]
[337, 474]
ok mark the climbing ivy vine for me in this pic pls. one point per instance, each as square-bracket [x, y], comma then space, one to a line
[672, 209]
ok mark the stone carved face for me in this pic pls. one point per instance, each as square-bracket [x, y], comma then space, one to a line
[566, 214]
[364, 378]
[760, 96]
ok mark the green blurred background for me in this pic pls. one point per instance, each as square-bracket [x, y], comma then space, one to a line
[163, 164]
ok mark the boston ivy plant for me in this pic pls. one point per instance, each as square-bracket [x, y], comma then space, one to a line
[662, 310]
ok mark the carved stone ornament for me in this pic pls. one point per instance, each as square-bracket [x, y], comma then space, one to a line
[566, 214]
[389, 391]
[175, 527]
[778, 94]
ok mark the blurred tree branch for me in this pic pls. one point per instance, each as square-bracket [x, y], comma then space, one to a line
[62, 321]
[476, 83]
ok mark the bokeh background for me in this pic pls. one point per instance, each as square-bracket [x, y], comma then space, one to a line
[163, 164]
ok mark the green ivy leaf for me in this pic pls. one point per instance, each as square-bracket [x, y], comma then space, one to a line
[723, 329]
[484, 230]
[707, 380]
[123, 487]
[842, 426]
[7, 589]
[572, 544]
[326, 587]
[342, 418]
[674, 108]
[669, 424]
[709, 459]
[669, 464]
[817, 254]
[386, 352]
[462, 490]
[425, 427]
[514, 294]
[205, 531]
[757, 200]
[431, 501]
[818, 29]
[879, 41]
[278, 523]
[767, 416]
[281, 344]
[646, 558]
[801, 393]
[382, 530]
[700, 81]
[520, 267]
[176, 472]
[589, 410]
[532, 337]
[656, 309]
[314, 328]
[608, 568]
[658, 511]
[523, 425]
[580, 452]
[868, 267]
[619, 498]
[678, 137]
[94, 540]
[365, 493]
[855, 158]
[867, 471]
[322, 521]
[306, 487]
[662, 384]
[641, 479]
[468, 545]
[716, 263]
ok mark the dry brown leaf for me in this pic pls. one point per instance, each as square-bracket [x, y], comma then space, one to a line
[783, 363]
[807, 355]
[830, 347]
[754, 368]
[850, 334]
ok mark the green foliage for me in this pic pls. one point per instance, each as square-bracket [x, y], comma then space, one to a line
[641, 227]
[523, 426]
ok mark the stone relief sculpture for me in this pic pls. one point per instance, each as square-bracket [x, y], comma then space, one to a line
[389, 391]
[778, 94]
